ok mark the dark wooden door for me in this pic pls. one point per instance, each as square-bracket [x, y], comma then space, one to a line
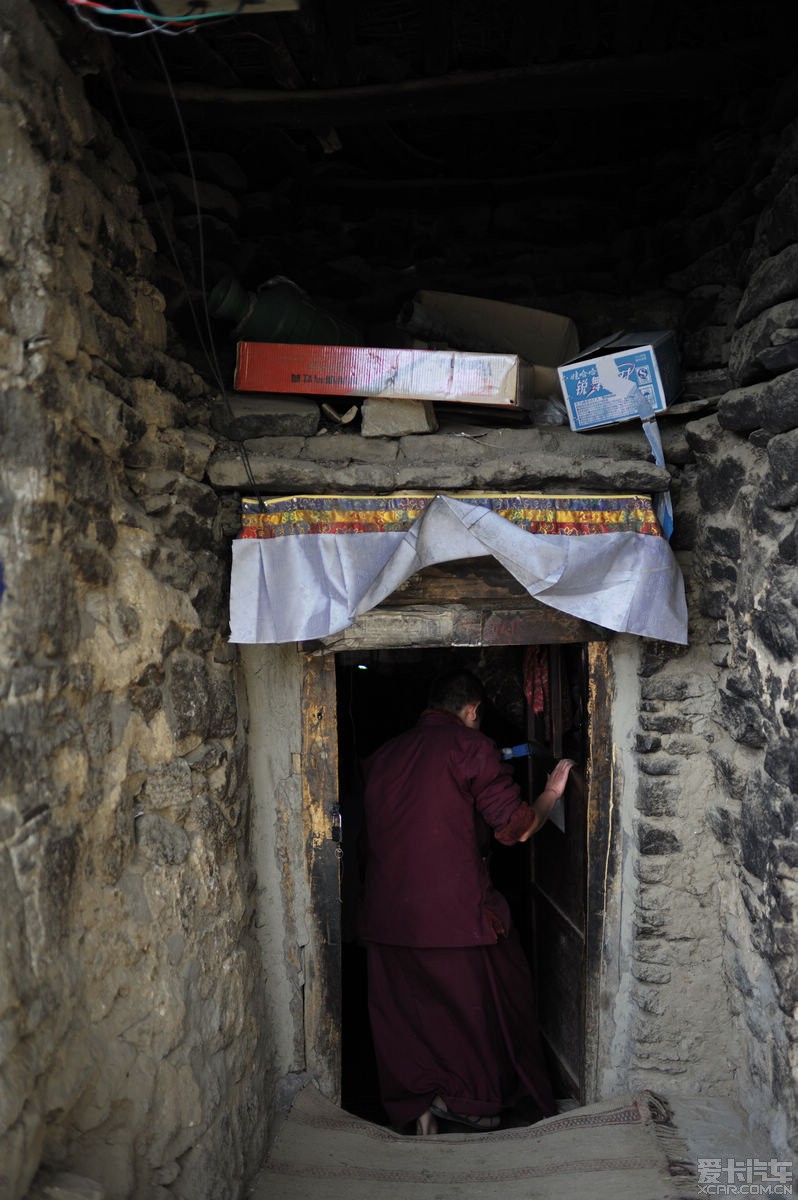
[558, 867]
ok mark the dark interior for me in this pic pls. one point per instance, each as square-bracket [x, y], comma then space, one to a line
[380, 694]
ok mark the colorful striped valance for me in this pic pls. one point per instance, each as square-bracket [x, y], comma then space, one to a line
[533, 512]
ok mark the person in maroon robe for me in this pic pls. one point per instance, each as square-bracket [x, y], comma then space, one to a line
[451, 1001]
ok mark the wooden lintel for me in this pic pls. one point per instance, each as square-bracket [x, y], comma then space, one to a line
[424, 625]
[537, 624]
[601, 83]
[466, 602]
[455, 625]
[468, 581]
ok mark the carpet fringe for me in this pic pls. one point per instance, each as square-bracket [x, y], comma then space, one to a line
[673, 1145]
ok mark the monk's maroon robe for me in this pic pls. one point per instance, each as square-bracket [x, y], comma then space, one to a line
[450, 994]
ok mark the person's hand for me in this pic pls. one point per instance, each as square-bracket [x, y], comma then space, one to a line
[559, 777]
[555, 786]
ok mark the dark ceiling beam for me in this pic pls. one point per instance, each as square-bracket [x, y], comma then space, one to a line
[677, 76]
[432, 190]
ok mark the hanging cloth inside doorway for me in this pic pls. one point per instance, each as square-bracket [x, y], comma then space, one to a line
[306, 567]
[536, 679]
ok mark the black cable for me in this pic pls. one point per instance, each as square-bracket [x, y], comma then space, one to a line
[203, 283]
[162, 216]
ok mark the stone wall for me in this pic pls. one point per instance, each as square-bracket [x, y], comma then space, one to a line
[131, 1016]
[746, 553]
[705, 988]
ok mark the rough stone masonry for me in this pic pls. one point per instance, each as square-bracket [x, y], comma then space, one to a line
[142, 1043]
[130, 1007]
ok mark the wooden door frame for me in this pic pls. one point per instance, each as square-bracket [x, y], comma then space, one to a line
[602, 835]
[322, 954]
[483, 620]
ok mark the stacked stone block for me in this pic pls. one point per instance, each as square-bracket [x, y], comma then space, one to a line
[130, 1025]
[716, 821]
[752, 445]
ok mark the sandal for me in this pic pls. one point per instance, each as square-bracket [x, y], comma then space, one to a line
[480, 1124]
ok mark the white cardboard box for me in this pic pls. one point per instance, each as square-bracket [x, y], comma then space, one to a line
[542, 340]
[623, 376]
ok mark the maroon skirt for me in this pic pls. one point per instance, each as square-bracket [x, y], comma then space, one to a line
[459, 1023]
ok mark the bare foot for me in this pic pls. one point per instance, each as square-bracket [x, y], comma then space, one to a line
[426, 1125]
[439, 1108]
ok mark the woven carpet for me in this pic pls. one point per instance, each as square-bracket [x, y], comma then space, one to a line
[623, 1149]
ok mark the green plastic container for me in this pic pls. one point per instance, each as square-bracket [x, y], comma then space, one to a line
[278, 312]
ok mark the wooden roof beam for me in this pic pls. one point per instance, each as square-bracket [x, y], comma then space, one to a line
[679, 75]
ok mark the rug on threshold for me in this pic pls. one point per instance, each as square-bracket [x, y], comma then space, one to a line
[627, 1147]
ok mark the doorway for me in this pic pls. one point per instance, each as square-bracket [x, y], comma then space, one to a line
[537, 694]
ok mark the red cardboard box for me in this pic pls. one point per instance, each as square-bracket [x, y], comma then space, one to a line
[437, 375]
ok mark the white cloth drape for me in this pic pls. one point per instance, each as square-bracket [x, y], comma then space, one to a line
[307, 586]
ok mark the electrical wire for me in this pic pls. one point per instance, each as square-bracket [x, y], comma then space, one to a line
[209, 349]
[140, 14]
[161, 216]
[214, 360]
[105, 29]
[155, 22]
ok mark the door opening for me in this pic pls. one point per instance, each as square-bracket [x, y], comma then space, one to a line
[537, 694]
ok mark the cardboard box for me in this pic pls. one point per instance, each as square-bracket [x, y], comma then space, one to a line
[437, 375]
[602, 388]
[475, 323]
[541, 339]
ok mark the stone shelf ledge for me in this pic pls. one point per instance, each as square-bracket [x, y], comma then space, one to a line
[458, 456]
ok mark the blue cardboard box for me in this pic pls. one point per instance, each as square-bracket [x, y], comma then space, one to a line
[623, 376]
